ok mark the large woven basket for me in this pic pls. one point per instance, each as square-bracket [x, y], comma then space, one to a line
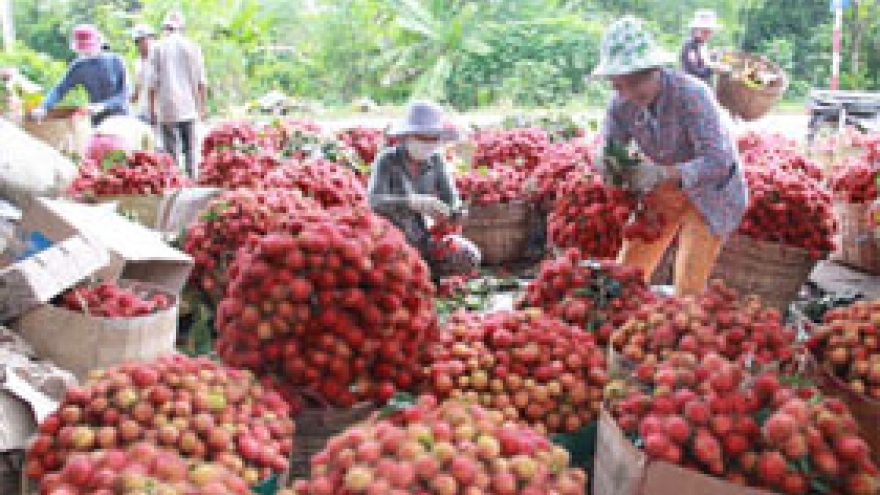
[859, 248]
[772, 271]
[64, 129]
[501, 231]
[746, 102]
[865, 410]
[315, 426]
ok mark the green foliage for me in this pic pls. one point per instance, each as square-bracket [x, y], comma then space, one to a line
[565, 47]
[36, 66]
[464, 53]
[535, 83]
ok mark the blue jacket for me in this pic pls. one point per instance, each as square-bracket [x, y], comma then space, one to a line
[104, 79]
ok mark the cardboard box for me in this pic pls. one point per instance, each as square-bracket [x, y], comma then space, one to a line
[136, 253]
[81, 343]
[30, 390]
[622, 469]
[39, 278]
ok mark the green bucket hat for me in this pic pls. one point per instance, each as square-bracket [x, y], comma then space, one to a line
[628, 47]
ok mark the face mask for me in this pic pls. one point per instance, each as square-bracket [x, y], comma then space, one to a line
[421, 150]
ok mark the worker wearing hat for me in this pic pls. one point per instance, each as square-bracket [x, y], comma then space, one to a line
[178, 90]
[411, 185]
[690, 173]
[143, 37]
[101, 73]
[695, 59]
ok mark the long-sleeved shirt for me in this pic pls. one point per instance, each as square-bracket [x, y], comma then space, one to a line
[104, 79]
[392, 182]
[176, 72]
[687, 129]
[693, 60]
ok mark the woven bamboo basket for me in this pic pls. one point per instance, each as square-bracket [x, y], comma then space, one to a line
[315, 426]
[859, 248]
[865, 410]
[772, 271]
[769, 270]
[746, 102]
[501, 231]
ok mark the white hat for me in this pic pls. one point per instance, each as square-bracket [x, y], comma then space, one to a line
[142, 31]
[705, 19]
[425, 117]
[174, 20]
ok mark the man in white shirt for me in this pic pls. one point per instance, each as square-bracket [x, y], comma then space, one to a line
[143, 37]
[178, 89]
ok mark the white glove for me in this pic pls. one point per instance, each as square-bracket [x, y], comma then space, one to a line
[95, 108]
[646, 177]
[428, 205]
[38, 113]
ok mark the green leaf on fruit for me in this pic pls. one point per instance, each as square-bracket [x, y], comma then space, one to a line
[803, 465]
[819, 486]
[580, 444]
[267, 487]
[400, 402]
[762, 415]
[113, 159]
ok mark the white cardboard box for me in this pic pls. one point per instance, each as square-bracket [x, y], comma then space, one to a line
[136, 253]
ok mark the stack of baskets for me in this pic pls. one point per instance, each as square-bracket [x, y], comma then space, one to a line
[859, 247]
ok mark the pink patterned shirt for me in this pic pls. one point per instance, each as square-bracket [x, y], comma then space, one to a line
[687, 129]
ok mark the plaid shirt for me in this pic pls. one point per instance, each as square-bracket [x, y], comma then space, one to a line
[687, 129]
[392, 182]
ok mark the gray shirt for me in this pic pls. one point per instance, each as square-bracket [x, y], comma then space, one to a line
[392, 182]
[176, 70]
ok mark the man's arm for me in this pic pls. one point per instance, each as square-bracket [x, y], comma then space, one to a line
[70, 79]
[119, 99]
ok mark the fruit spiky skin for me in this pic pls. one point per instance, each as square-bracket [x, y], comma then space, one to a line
[139, 173]
[191, 406]
[553, 374]
[340, 305]
[142, 467]
[820, 431]
[228, 222]
[520, 457]
[558, 292]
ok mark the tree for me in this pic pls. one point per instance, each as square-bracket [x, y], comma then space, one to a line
[431, 40]
[859, 16]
